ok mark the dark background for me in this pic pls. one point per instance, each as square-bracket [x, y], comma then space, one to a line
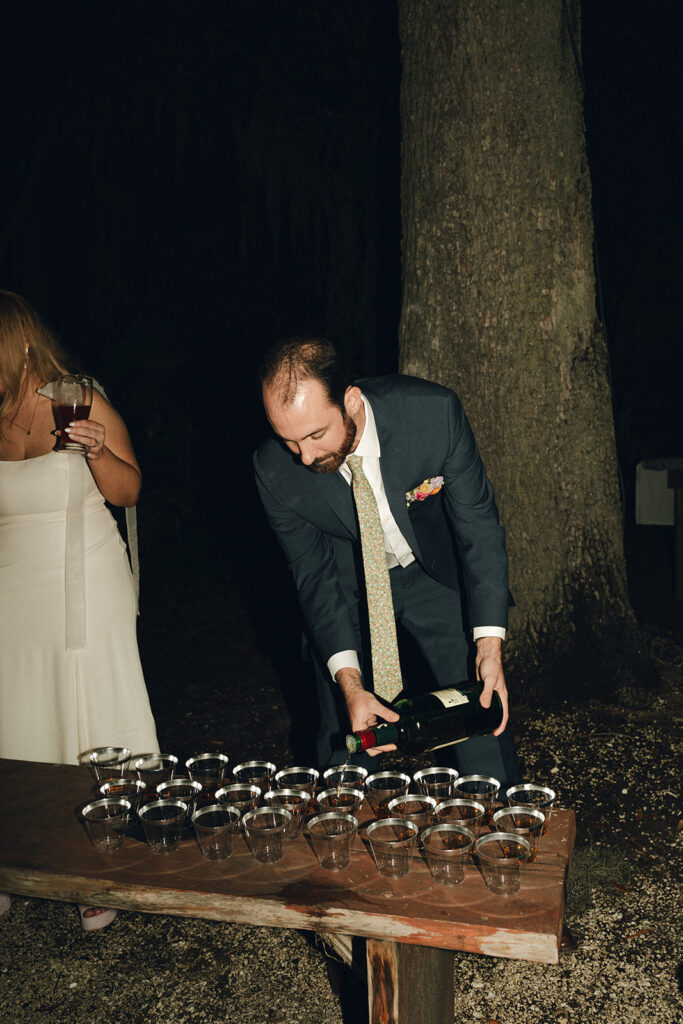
[183, 182]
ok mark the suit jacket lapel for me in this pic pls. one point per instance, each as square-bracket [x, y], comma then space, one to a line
[334, 490]
[395, 459]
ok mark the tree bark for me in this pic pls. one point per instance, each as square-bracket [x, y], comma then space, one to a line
[499, 303]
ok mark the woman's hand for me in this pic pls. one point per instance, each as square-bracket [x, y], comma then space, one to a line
[90, 434]
[109, 452]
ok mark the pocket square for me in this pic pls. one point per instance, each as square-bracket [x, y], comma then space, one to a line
[424, 490]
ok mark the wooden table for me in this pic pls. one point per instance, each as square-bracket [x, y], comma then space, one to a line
[412, 925]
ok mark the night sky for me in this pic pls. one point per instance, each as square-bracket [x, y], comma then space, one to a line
[182, 182]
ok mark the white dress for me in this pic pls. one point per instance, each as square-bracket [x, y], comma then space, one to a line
[55, 702]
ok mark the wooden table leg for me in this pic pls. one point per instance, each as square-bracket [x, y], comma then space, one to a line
[409, 983]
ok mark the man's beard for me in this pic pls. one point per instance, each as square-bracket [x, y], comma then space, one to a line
[331, 463]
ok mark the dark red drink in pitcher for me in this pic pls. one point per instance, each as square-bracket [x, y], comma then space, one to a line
[71, 397]
[66, 414]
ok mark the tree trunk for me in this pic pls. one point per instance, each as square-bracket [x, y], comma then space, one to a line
[499, 304]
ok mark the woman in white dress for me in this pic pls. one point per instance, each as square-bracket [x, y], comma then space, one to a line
[70, 673]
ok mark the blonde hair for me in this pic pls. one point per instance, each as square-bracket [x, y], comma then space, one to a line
[28, 350]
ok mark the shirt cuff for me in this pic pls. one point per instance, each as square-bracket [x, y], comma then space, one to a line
[344, 659]
[480, 631]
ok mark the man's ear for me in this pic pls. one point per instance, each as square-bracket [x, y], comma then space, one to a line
[352, 400]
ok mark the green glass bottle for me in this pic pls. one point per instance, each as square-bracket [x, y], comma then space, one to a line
[430, 721]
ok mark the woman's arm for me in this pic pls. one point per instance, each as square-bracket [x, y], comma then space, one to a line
[109, 452]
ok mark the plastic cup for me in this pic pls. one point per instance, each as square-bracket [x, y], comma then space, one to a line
[297, 778]
[332, 835]
[296, 801]
[381, 787]
[208, 770]
[181, 789]
[446, 847]
[521, 821]
[215, 826]
[264, 831]
[241, 795]
[481, 788]
[415, 807]
[132, 790]
[468, 813]
[109, 762]
[255, 773]
[156, 768]
[341, 798]
[530, 795]
[163, 822]
[436, 782]
[352, 776]
[105, 822]
[392, 841]
[500, 855]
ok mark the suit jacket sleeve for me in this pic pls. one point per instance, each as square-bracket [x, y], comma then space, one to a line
[479, 537]
[317, 560]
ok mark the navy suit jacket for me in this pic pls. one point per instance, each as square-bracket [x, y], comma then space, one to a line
[423, 433]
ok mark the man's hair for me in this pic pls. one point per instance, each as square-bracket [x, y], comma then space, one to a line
[293, 360]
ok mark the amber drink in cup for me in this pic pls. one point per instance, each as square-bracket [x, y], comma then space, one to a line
[467, 813]
[521, 821]
[481, 788]
[415, 807]
[209, 770]
[341, 798]
[381, 787]
[528, 794]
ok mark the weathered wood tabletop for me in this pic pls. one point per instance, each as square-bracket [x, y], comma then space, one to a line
[45, 852]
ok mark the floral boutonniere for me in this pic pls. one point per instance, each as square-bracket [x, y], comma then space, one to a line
[424, 490]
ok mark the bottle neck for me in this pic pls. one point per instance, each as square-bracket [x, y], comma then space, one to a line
[373, 737]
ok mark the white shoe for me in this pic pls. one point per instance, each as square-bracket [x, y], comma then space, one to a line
[101, 917]
[5, 903]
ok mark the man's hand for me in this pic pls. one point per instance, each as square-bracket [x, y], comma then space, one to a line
[489, 667]
[363, 707]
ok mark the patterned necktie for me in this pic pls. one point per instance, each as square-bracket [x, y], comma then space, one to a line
[386, 668]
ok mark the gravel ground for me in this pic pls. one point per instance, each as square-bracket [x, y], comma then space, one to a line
[618, 768]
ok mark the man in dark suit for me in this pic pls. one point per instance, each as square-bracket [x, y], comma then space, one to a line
[440, 525]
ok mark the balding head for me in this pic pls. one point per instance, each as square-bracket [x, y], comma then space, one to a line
[292, 361]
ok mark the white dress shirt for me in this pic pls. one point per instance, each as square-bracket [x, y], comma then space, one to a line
[398, 550]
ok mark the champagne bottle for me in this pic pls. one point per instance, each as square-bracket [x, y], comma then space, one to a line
[430, 721]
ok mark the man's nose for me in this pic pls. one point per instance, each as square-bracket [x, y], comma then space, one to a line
[306, 454]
